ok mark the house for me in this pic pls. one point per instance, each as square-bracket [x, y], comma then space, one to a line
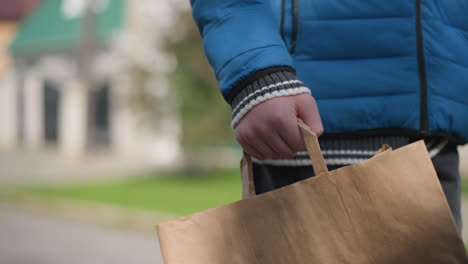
[92, 76]
[11, 12]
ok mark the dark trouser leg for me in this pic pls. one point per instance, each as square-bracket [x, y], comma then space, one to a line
[268, 177]
[447, 167]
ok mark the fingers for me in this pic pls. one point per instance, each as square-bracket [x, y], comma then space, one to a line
[268, 150]
[267, 144]
[280, 146]
[307, 110]
[255, 143]
[291, 135]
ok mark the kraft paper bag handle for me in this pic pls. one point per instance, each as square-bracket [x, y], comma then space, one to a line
[248, 186]
[313, 148]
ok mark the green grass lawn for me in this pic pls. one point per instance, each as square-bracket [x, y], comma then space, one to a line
[179, 193]
[173, 193]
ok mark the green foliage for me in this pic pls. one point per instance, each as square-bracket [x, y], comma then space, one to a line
[172, 193]
[465, 185]
[205, 114]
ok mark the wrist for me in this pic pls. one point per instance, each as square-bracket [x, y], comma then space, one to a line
[262, 86]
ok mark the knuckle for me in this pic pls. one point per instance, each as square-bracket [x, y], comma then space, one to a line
[277, 118]
[261, 129]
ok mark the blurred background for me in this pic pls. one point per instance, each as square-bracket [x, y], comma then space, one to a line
[110, 122]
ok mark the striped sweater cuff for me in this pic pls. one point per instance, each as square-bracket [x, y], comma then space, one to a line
[268, 86]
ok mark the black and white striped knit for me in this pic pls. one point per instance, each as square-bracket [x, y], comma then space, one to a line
[350, 150]
[262, 86]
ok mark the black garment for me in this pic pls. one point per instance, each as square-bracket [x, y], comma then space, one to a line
[270, 177]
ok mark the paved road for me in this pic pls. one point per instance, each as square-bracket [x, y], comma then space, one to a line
[31, 238]
[27, 238]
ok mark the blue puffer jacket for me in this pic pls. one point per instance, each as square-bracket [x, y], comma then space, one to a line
[374, 66]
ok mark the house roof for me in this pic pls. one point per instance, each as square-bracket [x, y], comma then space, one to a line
[14, 10]
[53, 26]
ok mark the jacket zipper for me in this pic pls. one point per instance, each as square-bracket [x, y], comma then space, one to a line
[424, 123]
[295, 22]
[283, 10]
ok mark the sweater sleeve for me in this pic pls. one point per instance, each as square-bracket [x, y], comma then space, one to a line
[243, 44]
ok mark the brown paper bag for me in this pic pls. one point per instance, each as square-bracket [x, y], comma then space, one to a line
[389, 209]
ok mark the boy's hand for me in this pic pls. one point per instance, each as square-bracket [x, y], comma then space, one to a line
[270, 130]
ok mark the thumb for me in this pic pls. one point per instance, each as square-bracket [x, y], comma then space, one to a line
[307, 110]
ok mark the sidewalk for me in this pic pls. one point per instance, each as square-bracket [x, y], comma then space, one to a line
[29, 238]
